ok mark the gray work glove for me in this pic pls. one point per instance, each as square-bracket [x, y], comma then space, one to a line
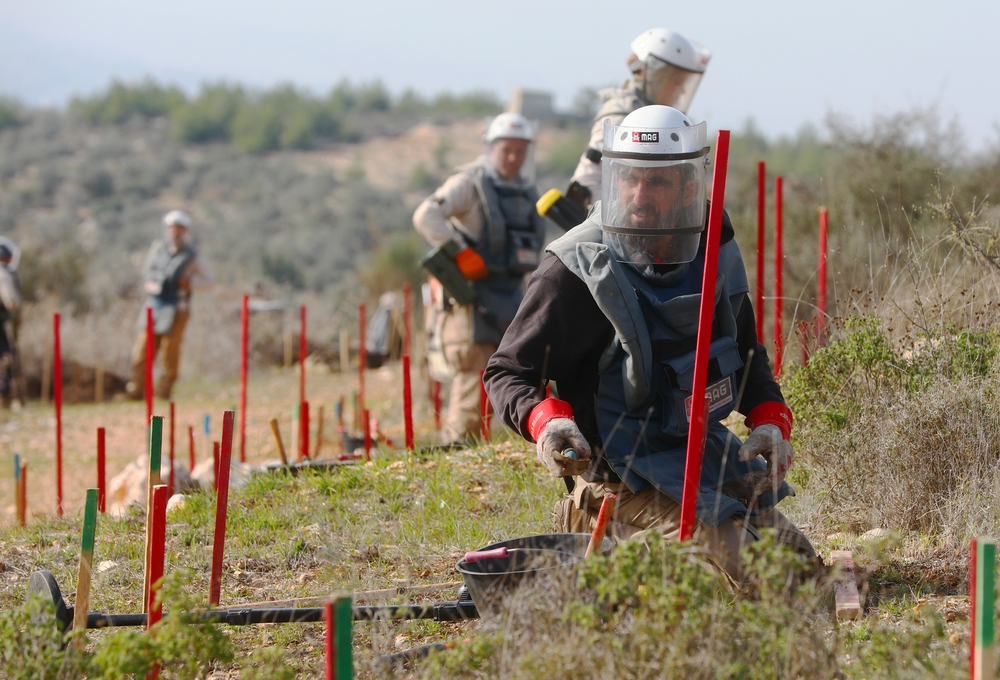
[767, 441]
[560, 436]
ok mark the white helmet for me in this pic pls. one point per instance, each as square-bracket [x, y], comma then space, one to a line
[509, 126]
[653, 186]
[672, 67]
[178, 217]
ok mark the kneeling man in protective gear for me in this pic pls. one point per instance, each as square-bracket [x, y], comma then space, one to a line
[611, 315]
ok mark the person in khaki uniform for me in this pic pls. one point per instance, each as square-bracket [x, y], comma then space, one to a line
[666, 69]
[612, 316]
[172, 270]
[488, 209]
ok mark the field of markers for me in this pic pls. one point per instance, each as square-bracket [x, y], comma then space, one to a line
[366, 534]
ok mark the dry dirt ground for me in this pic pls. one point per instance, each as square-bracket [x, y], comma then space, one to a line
[271, 393]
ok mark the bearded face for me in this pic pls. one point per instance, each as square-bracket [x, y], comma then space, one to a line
[655, 199]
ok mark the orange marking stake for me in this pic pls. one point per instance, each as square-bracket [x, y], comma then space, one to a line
[603, 518]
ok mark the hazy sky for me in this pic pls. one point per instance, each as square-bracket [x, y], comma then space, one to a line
[783, 63]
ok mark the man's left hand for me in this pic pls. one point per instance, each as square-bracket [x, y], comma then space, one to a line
[766, 441]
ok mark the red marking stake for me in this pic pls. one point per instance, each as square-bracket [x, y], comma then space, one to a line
[407, 403]
[362, 357]
[244, 340]
[328, 655]
[484, 408]
[150, 357]
[436, 396]
[191, 446]
[761, 204]
[699, 404]
[972, 609]
[406, 318]
[824, 223]
[101, 483]
[158, 535]
[57, 398]
[303, 349]
[368, 435]
[170, 475]
[221, 505]
[778, 267]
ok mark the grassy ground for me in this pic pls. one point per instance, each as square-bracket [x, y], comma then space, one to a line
[406, 519]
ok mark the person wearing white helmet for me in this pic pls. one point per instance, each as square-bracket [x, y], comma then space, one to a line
[487, 210]
[666, 69]
[611, 315]
[172, 270]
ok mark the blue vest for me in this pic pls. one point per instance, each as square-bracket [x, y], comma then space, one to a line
[646, 372]
[511, 245]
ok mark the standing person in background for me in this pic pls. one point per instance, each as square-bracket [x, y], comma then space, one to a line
[666, 69]
[10, 306]
[172, 270]
[488, 210]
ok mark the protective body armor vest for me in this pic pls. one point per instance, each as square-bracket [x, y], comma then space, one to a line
[511, 244]
[165, 269]
[646, 373]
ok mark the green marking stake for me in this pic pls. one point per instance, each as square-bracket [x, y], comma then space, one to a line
[82, 606]
[983, 659]
[343, 615]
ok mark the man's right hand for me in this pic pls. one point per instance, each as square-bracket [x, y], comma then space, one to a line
[556, 441]
[471, 264]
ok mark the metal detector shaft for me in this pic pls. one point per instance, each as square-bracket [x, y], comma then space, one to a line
[439, 611]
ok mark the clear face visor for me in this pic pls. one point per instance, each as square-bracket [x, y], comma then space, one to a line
[653, 205]
[666, 84]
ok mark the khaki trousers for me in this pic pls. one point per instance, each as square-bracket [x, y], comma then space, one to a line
[467, 359]
[170, 343]
[650, 510]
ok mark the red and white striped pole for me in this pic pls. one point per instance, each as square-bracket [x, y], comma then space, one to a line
[824, 223]
[57, 398]
[761, 205]
[699, 404]
[778, 266]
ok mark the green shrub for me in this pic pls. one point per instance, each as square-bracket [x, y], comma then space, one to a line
[121, 101]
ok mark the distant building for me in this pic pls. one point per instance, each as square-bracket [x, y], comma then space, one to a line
[532, 104]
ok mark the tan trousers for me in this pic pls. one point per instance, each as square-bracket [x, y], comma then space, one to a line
[170, 343]
[467, 359]
[651, 510]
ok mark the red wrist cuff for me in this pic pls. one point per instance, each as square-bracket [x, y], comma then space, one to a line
[544, 412]
[771, 413]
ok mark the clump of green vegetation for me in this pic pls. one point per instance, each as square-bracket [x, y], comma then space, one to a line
[283, 117]
[655, 609]
[31, 645]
